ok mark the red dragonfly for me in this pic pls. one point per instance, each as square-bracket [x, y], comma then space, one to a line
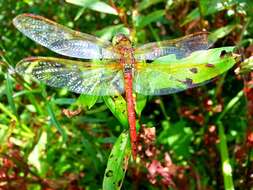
[114, 68]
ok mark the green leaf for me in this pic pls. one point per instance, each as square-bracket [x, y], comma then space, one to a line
[141, 101]
[193, 15]
[207, 8]
[55, 122]
[144, 4]
[9, 93]
[79, 13]
[86, 100]
[142, 21]
[221, 32]
[94, 5]
[117, 163]
[188, 72]
[117, 105]
[103, 8]
[202, 58]
[230, 105]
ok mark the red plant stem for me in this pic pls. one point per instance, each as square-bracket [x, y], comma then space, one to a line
[131, 112]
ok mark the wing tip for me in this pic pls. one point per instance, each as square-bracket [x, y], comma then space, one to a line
[20, 18]
[23, 15]
[29, 59]
[22, 65]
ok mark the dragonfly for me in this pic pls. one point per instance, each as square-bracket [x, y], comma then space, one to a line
[111, 68]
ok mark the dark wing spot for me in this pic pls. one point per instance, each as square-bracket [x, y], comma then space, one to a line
[194, 70]
[109, 173]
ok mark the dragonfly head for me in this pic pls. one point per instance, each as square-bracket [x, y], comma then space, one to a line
[121, 40]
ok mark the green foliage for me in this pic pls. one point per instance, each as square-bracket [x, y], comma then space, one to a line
[117, 163]
[205, 130]
[178, 137]
[94, 5]
[142, 21]
[117, 106]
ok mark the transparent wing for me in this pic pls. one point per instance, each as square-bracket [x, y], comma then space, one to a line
[161, 77]
[63, 40]
[80, 77]
[181, 47]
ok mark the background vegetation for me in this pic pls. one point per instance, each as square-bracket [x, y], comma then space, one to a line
[185, 139]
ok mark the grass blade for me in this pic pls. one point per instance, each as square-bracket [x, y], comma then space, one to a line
[9, 94]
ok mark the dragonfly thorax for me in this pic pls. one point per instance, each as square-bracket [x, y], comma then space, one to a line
[128, 68]
[122, 43]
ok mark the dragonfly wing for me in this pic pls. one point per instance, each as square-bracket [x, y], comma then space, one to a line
[181, 47]
[80, 77]
[63, 40]
[160, 78]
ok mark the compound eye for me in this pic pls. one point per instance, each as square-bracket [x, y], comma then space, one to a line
[119, 38]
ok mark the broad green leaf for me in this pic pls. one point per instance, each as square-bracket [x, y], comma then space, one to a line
[169, 75]
[221, 32]
[207, 64]
[86, 100]
[144, 4]
[142, 21]
[141, 101]
[94, 5]
[117, 105]
[117, 163]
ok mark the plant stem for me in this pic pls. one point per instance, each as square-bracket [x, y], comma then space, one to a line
[226, 166]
